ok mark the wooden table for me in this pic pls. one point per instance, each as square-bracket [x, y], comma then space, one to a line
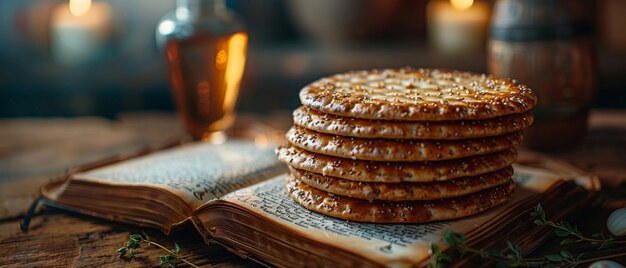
[34, 150]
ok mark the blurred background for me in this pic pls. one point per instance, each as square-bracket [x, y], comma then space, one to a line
[291, 42]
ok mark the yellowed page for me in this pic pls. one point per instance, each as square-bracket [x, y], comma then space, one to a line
[197, 172]
[395, 245]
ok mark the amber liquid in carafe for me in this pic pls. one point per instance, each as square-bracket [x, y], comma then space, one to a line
[206, 72]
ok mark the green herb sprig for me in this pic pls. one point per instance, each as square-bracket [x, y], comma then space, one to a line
[171, 259]
[571, 234]
[512, 255]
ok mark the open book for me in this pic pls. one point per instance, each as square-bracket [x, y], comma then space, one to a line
[234, 195]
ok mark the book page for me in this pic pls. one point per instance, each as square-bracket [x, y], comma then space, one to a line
[196, 172]
[387, 244]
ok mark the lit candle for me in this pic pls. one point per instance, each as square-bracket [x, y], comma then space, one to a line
[79, 29]
[457, 25]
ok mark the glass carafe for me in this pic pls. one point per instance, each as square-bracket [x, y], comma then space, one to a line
[205, 46]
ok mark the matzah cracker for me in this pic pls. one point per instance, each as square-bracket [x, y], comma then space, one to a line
[444, 130]
[405, 191]
[417, 94]
[398, 150]
[371, 171]
[360, 210]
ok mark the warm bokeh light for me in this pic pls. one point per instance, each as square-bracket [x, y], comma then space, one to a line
[79, 7]
[221, 59]
[236, 60]
[462, 4]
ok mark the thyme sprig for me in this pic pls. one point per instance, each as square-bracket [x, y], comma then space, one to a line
[512, 255]
[572, 234]
[171, 259]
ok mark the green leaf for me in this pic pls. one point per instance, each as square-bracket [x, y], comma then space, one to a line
[131, 253]
[122, 251]
[437, 258]
[561, 233]
[132, 244]
[164, 259]
[490, 253]
[135, 237]
[567, 241]
[176, 248]
[550, 265]
[540, 212]
[434, 257]
[554, 257]
[539, 222]
[447, 237]
[434, 248]
[566, 254]
[567, 225]
[517, 251]
[145, 235]
[453, 239]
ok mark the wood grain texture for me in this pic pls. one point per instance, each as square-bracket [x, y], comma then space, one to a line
[60, 239]
[39, 250]
[30, 156]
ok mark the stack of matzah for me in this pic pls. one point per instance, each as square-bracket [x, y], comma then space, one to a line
[407, 145]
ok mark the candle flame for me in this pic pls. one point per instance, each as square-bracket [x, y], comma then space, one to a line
[79, 7]
[462, 4]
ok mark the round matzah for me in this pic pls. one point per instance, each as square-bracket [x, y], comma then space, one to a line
[417, 94]
[445, 130]
[398, 150]
[405, 191]
[370, 171]
[353, 209]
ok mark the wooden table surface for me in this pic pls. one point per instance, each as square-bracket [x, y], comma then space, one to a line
[34, 150]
